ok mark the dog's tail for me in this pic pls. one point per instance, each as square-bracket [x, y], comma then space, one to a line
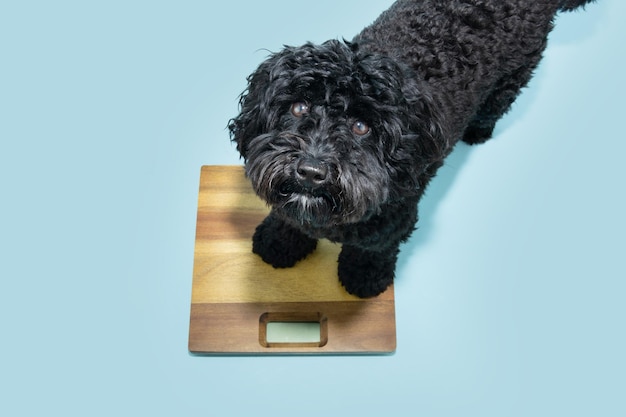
[567, 5]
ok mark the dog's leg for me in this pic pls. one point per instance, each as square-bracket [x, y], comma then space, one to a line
[480, 129]
[366, 273]
[497, 104]
[279, 244]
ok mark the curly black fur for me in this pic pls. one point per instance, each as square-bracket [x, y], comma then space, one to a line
[342, 138]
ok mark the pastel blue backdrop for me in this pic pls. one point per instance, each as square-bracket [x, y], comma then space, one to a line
[510, 296]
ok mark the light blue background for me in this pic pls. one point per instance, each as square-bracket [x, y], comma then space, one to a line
[510, 297]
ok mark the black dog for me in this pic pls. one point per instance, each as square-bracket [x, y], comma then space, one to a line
[341, 139]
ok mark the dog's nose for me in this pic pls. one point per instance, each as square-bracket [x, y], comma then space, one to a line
[311, 173]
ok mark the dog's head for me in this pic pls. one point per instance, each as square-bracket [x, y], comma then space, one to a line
[330, 133]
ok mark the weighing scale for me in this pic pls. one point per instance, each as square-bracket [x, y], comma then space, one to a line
[241, 305]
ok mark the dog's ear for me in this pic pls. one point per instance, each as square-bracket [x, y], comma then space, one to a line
[257, 115]
[410, 117]
[426, 131]
[410, 113]
[250, 121]
[424, 143]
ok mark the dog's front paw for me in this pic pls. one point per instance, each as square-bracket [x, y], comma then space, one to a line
[365, 273]
[279, 244]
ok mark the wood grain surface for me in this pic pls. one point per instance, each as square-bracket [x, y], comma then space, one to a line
[233, 288]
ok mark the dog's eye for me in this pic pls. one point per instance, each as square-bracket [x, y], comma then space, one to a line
[299, 109]
[360, 128]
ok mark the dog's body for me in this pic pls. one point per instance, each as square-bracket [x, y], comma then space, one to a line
[341, 139]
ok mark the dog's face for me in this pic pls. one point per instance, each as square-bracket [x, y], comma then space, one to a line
[330, 134]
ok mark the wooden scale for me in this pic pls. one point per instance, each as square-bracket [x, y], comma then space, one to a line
[237, 299]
